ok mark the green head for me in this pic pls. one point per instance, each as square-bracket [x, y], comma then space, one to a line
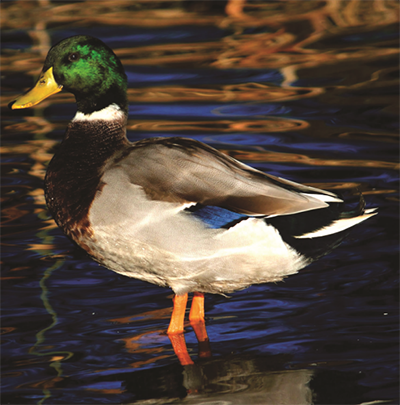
[87, 68]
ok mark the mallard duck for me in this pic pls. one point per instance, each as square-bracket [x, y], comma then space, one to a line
[172, 211]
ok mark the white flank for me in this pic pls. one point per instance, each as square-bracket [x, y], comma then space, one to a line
[110, 113]
[338, 226]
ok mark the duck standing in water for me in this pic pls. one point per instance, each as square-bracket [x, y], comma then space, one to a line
[172, 211]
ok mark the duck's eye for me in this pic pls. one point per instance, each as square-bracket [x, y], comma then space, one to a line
[73, 57]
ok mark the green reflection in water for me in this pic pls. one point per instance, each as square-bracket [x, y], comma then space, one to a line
[58, 356]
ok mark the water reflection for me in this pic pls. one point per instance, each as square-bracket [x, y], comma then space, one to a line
[233, 379]
[305, 90]
[238, 379]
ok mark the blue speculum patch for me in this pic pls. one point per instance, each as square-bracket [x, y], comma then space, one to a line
[216, 217]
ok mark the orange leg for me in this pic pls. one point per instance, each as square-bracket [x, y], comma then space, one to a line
[180, 349]
[196, 318]
[197, 309]
[175, 329]
[178, 315]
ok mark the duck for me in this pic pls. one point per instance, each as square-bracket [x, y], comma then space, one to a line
[172, 211]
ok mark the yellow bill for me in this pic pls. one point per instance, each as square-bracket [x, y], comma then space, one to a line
[45, 87]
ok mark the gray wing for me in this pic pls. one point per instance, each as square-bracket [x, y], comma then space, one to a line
[187, 171]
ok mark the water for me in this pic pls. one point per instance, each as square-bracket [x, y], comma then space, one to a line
[303, 90]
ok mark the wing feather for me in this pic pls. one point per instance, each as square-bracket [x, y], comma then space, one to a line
[187, 171]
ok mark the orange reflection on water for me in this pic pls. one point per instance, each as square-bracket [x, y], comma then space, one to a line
[158, 314]
[244, 92]
[239, 13]
[262, 156]
[293, 29]
[271, 124]
[43, 384]
[11, 278]
[38, 150]
[13, 213]
[7, 329]
[140, 343]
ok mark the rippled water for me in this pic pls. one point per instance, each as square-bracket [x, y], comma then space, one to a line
[303, 90]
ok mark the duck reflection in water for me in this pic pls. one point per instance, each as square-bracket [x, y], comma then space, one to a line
[233, 379]
[172, 211]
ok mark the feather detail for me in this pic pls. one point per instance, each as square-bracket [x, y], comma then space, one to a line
[337, 226]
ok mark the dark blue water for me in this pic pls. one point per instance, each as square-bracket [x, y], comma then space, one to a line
[303, 90]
